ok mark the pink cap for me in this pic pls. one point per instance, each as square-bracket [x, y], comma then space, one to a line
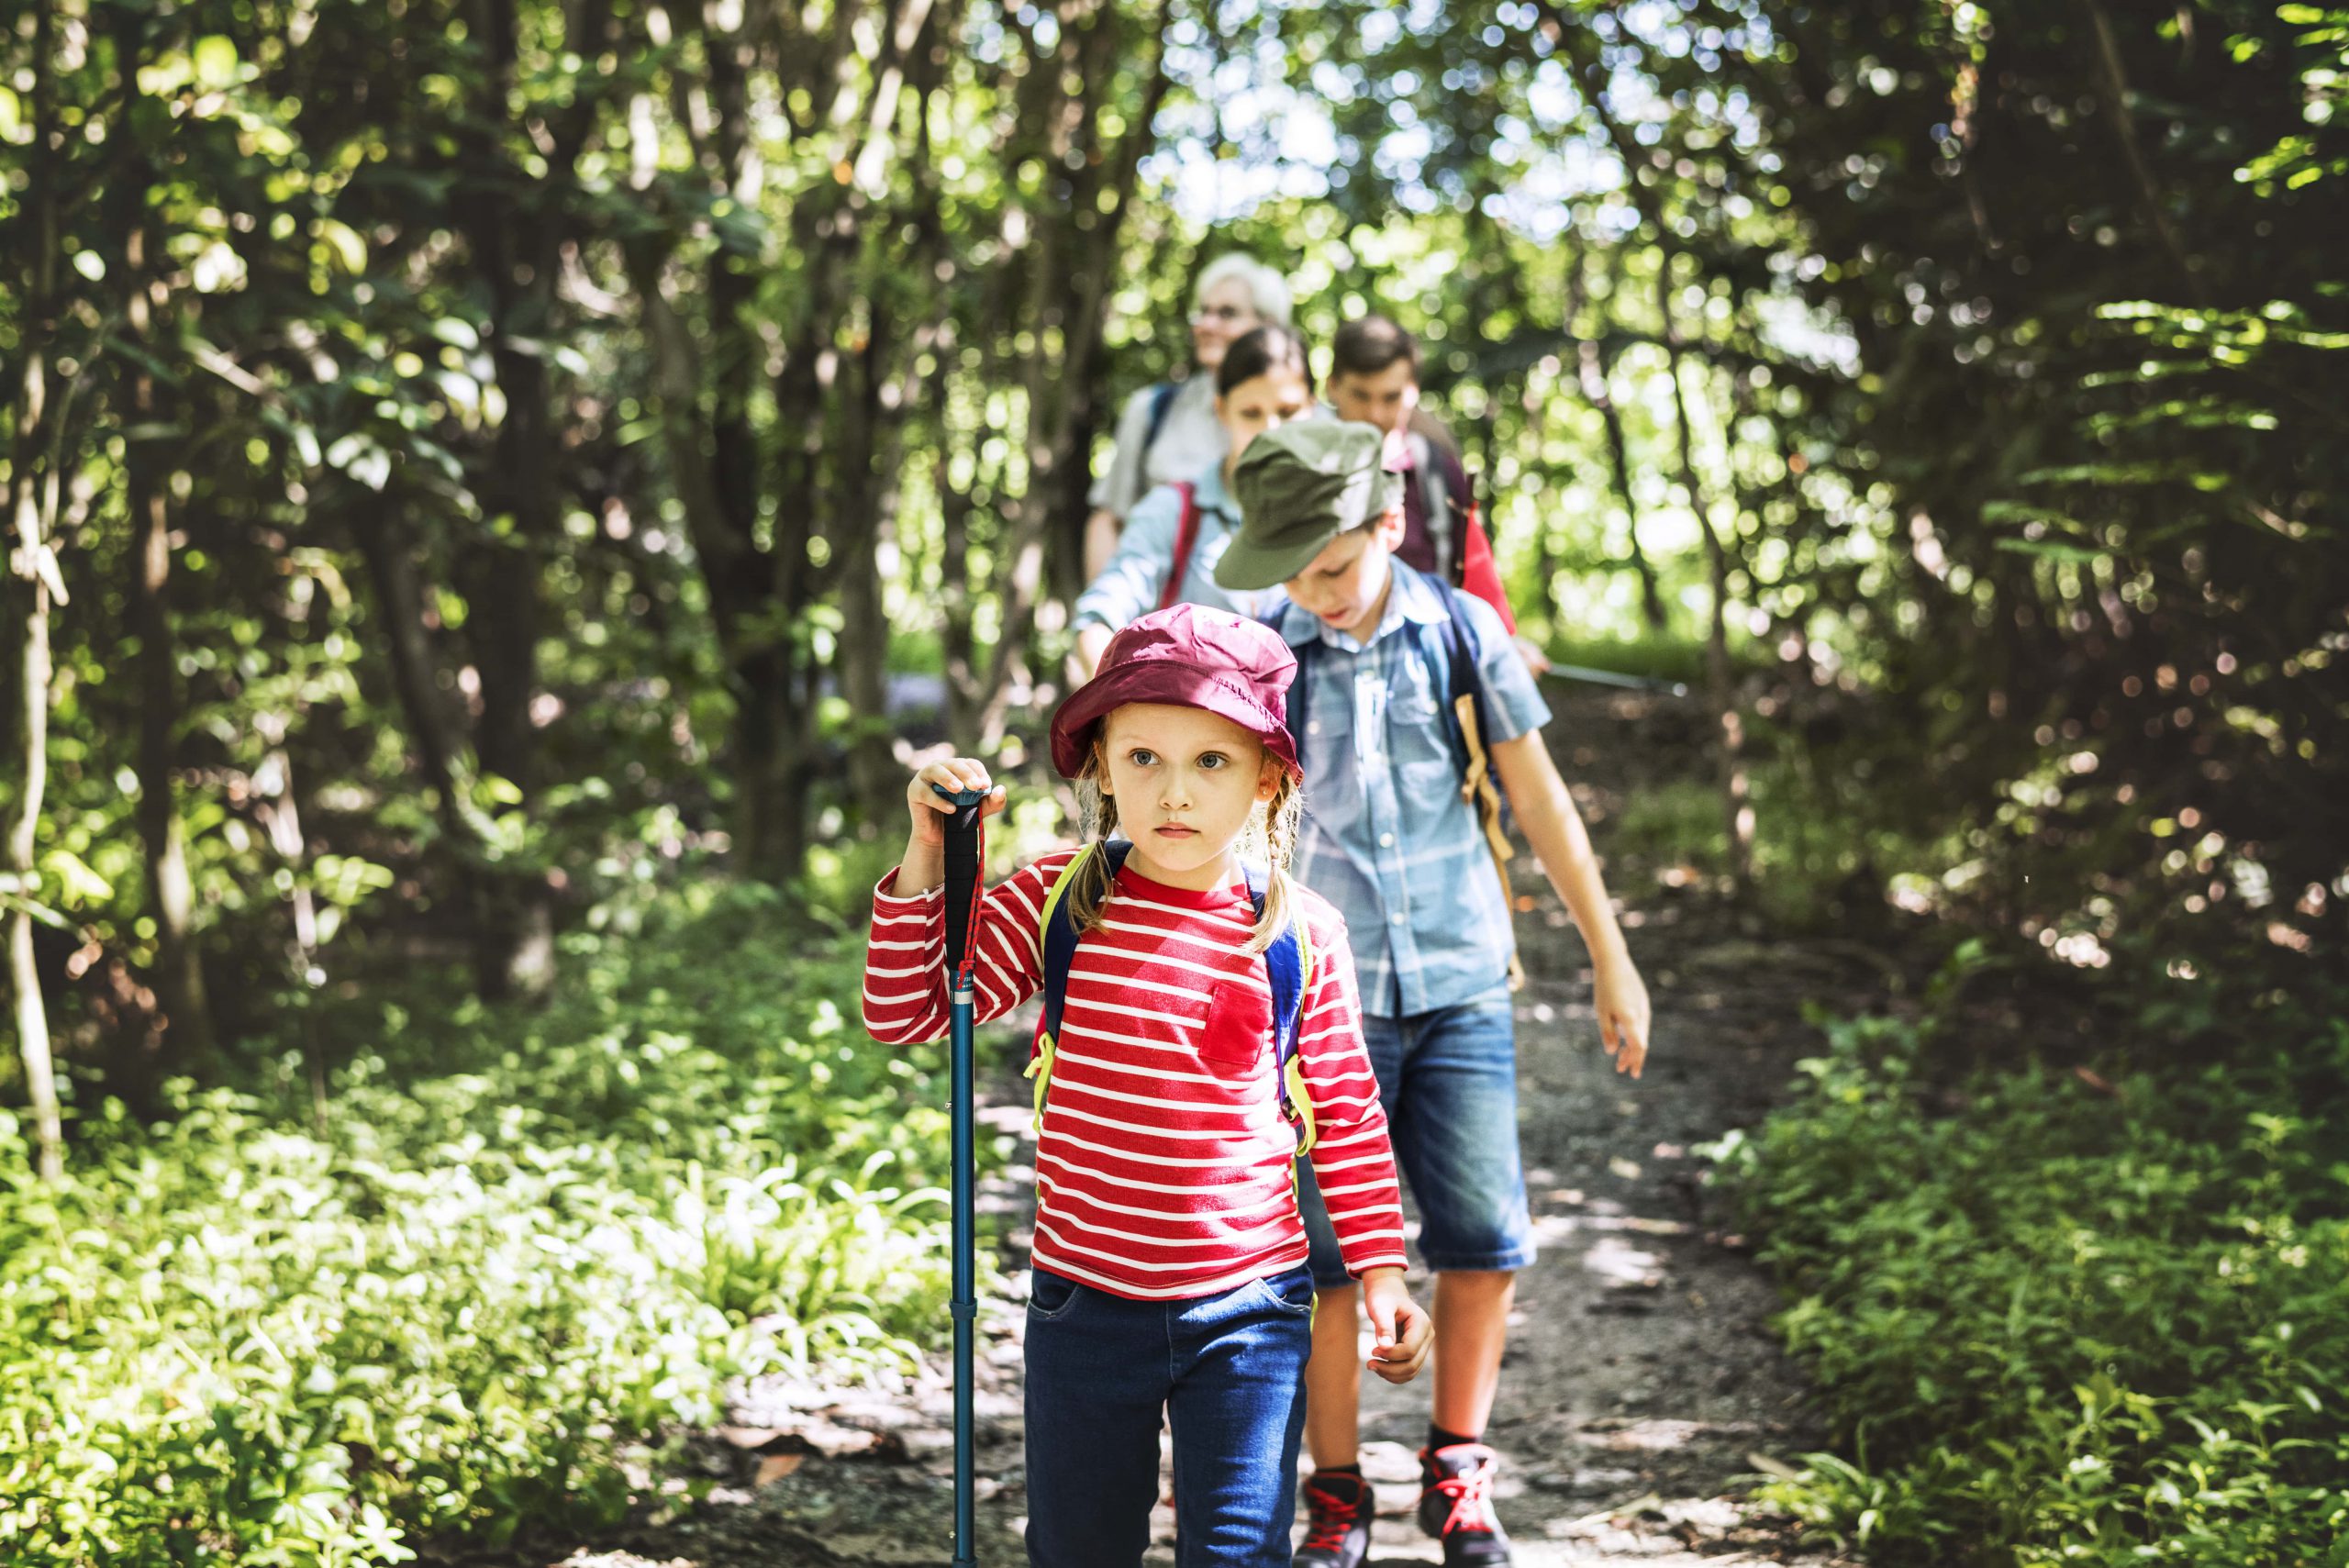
[1185, 656]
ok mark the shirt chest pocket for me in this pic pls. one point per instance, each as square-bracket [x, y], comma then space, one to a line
[1417, 728]
[1238, 1025]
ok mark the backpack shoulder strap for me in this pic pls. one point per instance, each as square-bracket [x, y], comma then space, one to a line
[1471, 728]
[1162, 401]
[1288, 966]
[1186, 537]
[1454, 644]
[1056, 939]
[1462, 648]
[1293, 709]
[1436, 501]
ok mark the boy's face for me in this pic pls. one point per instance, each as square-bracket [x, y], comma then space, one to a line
[1346, 584]
[1384, 398]
[1185, 782]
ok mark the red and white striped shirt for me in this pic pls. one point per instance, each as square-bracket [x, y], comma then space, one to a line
[1164, 1169]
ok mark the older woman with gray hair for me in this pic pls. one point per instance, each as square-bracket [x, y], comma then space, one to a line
[1169, 432]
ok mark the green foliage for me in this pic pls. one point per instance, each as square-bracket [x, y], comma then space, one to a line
[2056, 1320]
[523, 1245]
[1817, 863]
[2088, 257]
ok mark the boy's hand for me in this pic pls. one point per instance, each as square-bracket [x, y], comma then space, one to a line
[1400, 1328]
[1621, 998]
[931, 809]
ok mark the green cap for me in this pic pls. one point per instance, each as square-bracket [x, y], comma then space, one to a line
[1300, 487]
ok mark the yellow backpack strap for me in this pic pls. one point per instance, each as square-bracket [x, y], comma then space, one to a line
[1055, 946]
[1297, 1098]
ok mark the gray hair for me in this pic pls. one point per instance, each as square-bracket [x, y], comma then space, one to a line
[1267, 290]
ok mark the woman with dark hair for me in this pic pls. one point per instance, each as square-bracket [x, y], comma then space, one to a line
[1175, 534]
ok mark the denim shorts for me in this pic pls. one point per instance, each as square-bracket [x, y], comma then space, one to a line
[1227, 1372]
[1448, 1081]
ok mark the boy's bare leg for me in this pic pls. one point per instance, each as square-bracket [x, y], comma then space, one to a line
[1471, 1330]
[1333, 1377]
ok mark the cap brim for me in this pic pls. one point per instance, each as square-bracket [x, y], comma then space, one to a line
[1246, 566]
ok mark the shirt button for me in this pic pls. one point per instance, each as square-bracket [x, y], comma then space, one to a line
[1396, 919]
[1313, 727]
[1386, 840]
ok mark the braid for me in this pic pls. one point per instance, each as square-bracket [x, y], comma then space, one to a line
[1088, 895]
[1281, 815]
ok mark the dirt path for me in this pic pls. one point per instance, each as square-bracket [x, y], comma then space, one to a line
[1642, 1379]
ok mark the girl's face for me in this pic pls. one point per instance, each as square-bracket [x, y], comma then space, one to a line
[1262, 403]
[1185, 782]
[1225, 312]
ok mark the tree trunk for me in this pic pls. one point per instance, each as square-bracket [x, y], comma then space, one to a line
[33, 481]
[1598, 372]
[171, 893]
[518, 257]
[1578, 44]
[1737, 807]
[399, 598]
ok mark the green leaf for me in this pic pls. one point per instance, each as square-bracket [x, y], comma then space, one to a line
[2051, 550]
[76, 883]
[216, 62]
[497, 790]
[350, 250]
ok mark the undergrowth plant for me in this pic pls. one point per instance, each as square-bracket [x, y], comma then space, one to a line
[521, 1246]
[2068, 1317]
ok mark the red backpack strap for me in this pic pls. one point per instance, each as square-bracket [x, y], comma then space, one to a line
[1187, 534]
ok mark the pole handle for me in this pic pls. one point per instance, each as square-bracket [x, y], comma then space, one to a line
[962, 830]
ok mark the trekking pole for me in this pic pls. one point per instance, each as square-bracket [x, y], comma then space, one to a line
[963, 840]
[1617, 678]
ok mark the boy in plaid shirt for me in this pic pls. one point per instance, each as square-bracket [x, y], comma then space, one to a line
[1395, 841]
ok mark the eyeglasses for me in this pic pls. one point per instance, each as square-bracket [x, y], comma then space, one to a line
[1224, 313]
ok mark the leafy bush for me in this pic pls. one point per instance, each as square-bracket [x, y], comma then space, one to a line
[237, 1339]
[2070, 1322]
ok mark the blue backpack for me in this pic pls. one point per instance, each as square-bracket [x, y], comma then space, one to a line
[1288, 966]
[1162, 400]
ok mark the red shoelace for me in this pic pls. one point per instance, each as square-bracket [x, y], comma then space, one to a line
[1331, 1516]
[1470, 1492]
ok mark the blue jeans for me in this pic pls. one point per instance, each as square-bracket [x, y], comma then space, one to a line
[1448, 1081]
[1230, 1372]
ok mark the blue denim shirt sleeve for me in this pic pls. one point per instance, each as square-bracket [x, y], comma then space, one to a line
[1512, 701]
[1128, 587]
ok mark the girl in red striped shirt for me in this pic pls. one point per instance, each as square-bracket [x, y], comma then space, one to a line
[1169, 1256]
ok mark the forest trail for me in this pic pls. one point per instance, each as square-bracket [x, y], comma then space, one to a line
[1643, 1386]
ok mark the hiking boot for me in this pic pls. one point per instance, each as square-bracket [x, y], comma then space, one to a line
[1456, 1505]
[1338, 1509]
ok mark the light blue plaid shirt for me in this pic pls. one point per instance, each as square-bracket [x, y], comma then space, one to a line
[1386, 838]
